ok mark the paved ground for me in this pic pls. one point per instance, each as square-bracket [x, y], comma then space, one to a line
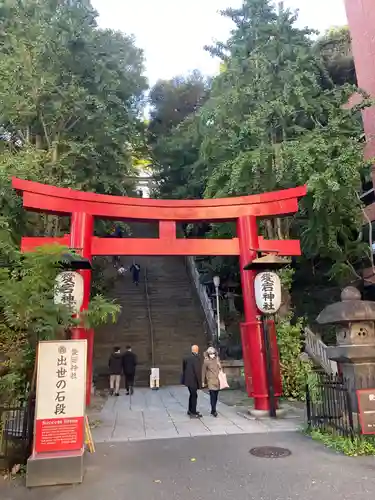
[162, 414]
[215, 468]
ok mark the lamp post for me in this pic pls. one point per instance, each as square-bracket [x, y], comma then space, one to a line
[72, 263]
[217, 284]
[267, 288]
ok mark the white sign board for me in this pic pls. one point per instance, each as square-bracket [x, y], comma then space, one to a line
[69, 290]
[60, 397]
[267, 292]
[154, 378]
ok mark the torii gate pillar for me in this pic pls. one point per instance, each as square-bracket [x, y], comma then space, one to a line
[81, 231]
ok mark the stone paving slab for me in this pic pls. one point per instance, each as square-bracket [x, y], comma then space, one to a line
[162, 414]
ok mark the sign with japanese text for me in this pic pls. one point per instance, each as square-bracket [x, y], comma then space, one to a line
[366, 410]
[69, 290]
[267, 287]
[60, 397]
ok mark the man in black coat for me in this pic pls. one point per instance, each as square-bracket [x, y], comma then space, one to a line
[115, 371]
[192, 379]
[129, 364]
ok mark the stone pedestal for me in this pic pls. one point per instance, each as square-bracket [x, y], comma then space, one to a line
[54, 469]
[234, 370]
[357, 365]
[355, 350]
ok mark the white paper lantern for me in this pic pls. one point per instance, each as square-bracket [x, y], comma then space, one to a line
[267, 292]
[69, 290]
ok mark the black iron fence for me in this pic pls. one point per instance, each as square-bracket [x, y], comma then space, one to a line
[16, 432]
[329, 406]
[331, 403]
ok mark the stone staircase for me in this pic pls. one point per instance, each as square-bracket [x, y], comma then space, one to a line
[176, 315]
[132, 327]
[160, 319]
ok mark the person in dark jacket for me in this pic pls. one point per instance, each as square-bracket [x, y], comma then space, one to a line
[192, 379]
[135, 270]
[116, 232]
[115, 371]
[129, 364]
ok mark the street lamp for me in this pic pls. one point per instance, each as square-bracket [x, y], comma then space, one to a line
[267, 290]
[217, 284]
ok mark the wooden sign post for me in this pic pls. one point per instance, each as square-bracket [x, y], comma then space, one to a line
[89, 442]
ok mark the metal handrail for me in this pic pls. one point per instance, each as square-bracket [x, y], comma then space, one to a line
[203, 296]
[151, 327]
[317, 350]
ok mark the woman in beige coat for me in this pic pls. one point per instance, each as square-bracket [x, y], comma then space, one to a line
[210, 377]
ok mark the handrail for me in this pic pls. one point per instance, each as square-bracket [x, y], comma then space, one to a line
[203, 296]
[151, 327]
[317, 350]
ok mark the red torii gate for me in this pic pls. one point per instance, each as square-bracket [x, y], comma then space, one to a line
[245, 210]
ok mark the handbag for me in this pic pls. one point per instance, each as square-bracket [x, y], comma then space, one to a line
[223, 382]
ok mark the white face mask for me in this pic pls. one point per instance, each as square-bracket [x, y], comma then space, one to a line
[211, 356]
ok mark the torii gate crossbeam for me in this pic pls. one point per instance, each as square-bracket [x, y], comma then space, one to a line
[83, 207]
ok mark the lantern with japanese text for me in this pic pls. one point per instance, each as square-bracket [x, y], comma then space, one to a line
[267, 287]
[69, 290]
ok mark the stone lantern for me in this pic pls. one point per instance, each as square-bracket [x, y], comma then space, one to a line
[355, 336]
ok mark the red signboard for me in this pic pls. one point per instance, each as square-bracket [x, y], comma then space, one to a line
[59, 434]
[366, 410]
[60, 401]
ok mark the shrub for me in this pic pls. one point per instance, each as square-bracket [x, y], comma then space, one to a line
[295, 371]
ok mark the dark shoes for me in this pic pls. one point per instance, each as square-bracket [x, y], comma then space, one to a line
[194, 415]
[111, 392]
[214, 414]
[117, 394]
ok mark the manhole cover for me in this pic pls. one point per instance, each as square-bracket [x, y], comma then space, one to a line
[270, 452]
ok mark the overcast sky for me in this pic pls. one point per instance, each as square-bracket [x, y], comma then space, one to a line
[172, 33]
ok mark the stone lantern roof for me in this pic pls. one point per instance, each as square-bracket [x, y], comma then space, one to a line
[351, 308]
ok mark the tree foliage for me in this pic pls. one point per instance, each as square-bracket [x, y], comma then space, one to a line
[174, 136]
[294, 369]
[274, 119]
[71, 98]
[70, 95]
[335, 50]
[28, 312]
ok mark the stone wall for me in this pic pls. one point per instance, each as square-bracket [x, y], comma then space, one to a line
[233, 369]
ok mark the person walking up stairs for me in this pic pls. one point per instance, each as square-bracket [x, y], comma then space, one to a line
[115, 371]
[129, 364]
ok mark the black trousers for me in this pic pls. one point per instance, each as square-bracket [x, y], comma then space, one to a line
[213, 399]
[193, 398]
[129, 381]
[136, 277]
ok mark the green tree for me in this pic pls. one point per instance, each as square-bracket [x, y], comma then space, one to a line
[71, 90]
[274, 119]
[270, 124]
[174, 135]
[28, 313]
[334, 48]
[173, 100]
[179, 169]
